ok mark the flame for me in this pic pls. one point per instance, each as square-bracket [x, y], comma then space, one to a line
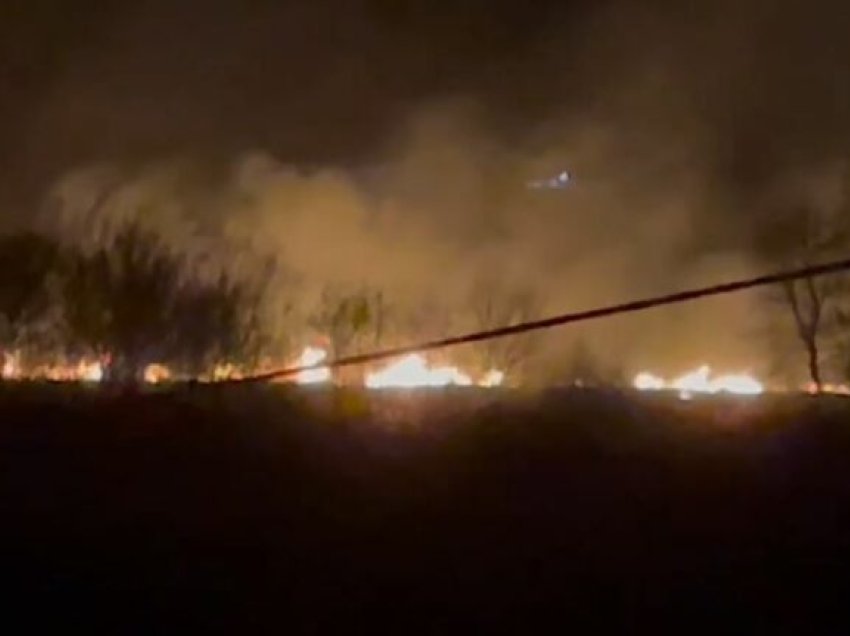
[738, 383]
[224, 371]
[11, 369]
[492, 378]
[309, 357]
[90, 371]
[84, 370]
[412, 371]
[648, 382]
[156, 373]
[700, 381]
[828, 389]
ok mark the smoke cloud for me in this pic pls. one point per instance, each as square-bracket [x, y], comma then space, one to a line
[680, 128]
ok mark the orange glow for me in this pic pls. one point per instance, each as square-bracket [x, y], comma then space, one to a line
[700, 381]
[11, 369]
[85, 370]
[492, 378]
[90, 371]
[828, 389]
[156, 373]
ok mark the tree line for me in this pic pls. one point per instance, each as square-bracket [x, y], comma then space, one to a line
[131, 300]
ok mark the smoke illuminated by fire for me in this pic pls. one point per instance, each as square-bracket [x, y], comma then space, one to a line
[700, 381]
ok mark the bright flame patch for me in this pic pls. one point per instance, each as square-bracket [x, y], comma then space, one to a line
[309, 357]
[413, 371]
[700, 381]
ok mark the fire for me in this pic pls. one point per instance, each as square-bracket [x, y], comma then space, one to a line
[412, 371]
[89, 371]
[156, 373]
[700, 381]
[11, 369]
[740, 384]
[309, 357]
[225, 371]
[492, 378]
[828, 389]
[84, 370]
[648, 382]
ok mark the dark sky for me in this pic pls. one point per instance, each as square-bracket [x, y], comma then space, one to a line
[765, 85]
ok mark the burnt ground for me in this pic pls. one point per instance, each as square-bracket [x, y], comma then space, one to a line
[258, 509]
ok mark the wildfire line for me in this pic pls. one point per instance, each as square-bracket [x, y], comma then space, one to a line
[563, 319]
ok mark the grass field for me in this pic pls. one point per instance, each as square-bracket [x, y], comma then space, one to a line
[255, 509]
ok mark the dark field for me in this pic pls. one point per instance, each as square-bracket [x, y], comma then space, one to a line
[256, 509]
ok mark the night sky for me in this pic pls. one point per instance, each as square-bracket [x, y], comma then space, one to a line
[767, 83]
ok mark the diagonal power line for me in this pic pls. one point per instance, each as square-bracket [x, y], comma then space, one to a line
[823, 269]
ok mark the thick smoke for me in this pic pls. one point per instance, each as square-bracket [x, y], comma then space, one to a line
[447, 208]
[681, 129]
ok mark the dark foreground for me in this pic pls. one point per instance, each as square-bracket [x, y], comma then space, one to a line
[254, 510]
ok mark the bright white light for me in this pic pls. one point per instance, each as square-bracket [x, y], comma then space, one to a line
[739, 384]
[694, 382]
[648, 382]
[309, 357]
[700, 381]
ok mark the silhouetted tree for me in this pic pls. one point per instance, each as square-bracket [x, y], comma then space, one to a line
[135, 302]
[493, 305]
[583, 367]
[30, 320]
[120, 301]
[347, 318]
[798, 237]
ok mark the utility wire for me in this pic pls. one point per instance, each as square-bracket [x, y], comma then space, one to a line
[823, 269]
